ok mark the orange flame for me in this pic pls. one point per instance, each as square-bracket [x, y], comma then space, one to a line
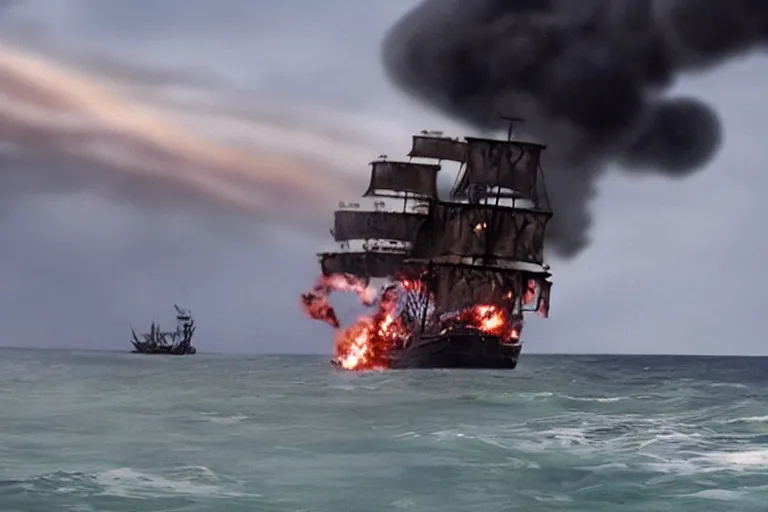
[493, 320]
[366, 344]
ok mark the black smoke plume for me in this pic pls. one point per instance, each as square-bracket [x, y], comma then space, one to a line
[587, 75]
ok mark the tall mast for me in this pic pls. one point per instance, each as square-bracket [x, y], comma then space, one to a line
[382, 233]
[511, 127]
[510, 133]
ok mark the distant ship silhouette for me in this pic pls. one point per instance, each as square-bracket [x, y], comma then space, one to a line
[178, 342]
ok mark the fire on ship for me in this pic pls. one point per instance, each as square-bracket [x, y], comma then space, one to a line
[445, 282]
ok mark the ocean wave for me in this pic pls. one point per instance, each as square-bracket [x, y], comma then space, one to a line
[734, 385]
[738, 460]
[536, 396]
[718, 495]
[602, 400]
[128, 482]
[224, 420]
[131, 483]
[693, 463]
[746, 419]
[444, 441]
[663, 445]
[544, 395]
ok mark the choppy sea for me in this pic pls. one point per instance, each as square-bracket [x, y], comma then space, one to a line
[98, 431]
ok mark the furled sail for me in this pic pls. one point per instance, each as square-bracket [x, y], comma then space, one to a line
[418, 179]
[512, 165]
[362, 263]
[478, 230]
[439, 148]
[367, 225]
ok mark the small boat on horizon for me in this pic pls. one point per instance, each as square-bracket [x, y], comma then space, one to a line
[178, 342]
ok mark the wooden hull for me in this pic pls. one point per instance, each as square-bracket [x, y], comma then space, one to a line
[171, 350]
[457, 349]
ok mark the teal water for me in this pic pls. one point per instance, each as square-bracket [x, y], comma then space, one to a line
[90, 431]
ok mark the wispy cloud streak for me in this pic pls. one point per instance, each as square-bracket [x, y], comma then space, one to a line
[257, 160]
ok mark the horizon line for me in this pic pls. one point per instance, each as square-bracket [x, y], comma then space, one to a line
[308, 354]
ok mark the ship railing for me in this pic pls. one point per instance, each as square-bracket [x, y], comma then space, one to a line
[495, 263]
[507, 199]
[387, 203]
[374, 245]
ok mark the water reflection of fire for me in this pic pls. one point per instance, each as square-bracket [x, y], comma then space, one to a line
[365, 345]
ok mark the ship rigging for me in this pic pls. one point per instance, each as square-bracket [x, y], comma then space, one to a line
[465, 270]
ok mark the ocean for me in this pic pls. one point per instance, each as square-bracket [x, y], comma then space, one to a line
[98, 431]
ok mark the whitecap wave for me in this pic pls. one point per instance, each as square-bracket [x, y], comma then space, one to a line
[734, 385]
[544, 395]
[747, 419]
[129, 482]
[717, 495]
[739, 460]
[224, 420]
[602, 400]
[691, 463]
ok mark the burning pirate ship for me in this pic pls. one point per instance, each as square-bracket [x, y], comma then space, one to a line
[459, 273]
[177, 342]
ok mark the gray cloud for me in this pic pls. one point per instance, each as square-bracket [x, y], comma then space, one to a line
[90, 246]
[80, 268]
[124, 194]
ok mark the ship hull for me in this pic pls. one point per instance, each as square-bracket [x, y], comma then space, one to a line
[470, 350]
[164, 350]
[457, 350]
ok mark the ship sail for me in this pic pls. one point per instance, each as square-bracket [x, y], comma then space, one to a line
[513, 165]
[483, 251]
[366, 225]
[488, 163]
[454, 261]
[383, 235]
[438, 148]
[364, 264]
[482, 231]
[418, 179]
[458, 286]
[157, 341]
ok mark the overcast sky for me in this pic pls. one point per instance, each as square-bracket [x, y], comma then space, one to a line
[191, 151]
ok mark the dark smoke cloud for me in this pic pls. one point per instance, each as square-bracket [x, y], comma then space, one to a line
[587, 75]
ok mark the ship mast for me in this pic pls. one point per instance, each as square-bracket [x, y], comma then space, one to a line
[511, 127]
[375, 239]
[467, 250]
[510, 134]
[505, 240]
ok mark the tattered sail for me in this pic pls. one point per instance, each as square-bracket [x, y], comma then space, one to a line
[542, 308]
[367, 225]
[454, 261]
[479, 230]
[456, 287]
[411, 181]
[491, 163]
[362, 263]
[439, 148]
[178, 342]
[418, 179]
